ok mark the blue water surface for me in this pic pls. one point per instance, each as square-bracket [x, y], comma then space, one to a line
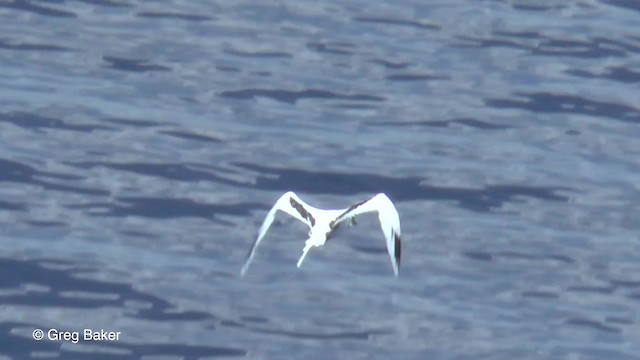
[142, 143]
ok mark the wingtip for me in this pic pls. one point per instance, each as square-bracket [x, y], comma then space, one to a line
[244, 269]
[397, 253]
[397, 244]
[396, 269]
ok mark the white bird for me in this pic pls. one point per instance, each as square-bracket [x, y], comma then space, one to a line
[324, 223]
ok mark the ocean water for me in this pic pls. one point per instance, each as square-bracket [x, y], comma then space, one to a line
[142, 144]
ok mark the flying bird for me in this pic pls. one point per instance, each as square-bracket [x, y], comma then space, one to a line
[324, 223]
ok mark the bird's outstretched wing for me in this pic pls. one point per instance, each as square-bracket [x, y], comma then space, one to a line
[389, 221]
[291, 204]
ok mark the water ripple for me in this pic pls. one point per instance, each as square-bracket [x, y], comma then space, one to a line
[38, 122]
[190, 136]
[331, 48]
[616, 73]
[26, 46]
[340, 335]
[170, 171]
[625, 4]
[592, 289]
[108, 3]
[10, 206]
[390, 64]
[26, 5]
[542, 102]
[172, 16]
[537, 44]
[132, 65]
[259, 54]
[467, 122]
[51, 275]
[540, 294]
[397, 22]
[292, 97]
[536, 7]
[23, 174]
[164, 208]
[132, 122]
[593, 325]
[415, 77]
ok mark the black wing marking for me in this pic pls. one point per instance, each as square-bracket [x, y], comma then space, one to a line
[349, 209]
[302, 211]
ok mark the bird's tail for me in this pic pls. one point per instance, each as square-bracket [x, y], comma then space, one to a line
[306, 249]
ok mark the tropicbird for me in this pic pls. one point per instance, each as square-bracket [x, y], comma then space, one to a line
[324, 223]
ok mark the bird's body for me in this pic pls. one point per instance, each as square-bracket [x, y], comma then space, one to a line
[324, 223]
